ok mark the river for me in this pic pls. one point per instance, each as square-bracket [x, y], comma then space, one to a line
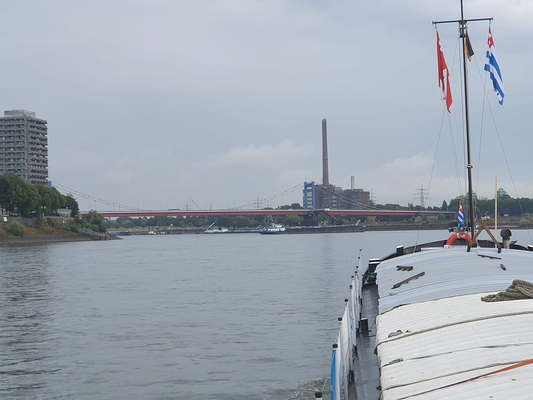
[237, 316]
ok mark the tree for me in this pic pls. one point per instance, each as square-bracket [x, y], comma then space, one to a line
[292, 220]
[30, 199]
[114, 224]
[72, 205]
[95, 221]
[58, 200]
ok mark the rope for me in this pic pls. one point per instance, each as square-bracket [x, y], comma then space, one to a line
[517, 291]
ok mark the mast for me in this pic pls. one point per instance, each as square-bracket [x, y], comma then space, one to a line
[463, 31]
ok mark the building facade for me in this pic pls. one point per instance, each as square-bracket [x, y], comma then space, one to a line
[24, 146]
[334, 198]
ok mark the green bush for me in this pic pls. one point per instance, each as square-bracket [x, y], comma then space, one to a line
[16, 229]
[74, 228]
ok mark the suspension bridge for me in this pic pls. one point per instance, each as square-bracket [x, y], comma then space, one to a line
[358, 210]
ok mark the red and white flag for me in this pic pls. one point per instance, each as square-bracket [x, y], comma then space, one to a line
[444, 85]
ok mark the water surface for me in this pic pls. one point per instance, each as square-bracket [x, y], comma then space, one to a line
[178, 317]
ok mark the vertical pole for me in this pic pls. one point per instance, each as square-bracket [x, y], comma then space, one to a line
[325, 169]
[463, 29]
[496, 211]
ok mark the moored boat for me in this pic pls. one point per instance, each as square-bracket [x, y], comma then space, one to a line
[272, 229]
[325, 229]
[221, 230]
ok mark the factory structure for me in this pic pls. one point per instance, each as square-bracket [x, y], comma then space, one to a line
[328, 196]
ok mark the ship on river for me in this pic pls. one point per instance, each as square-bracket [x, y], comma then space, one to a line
[446, 319]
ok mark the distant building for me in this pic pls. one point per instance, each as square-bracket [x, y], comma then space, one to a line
[335, 198]
[24, 146]
[502, 194]
[355, 199]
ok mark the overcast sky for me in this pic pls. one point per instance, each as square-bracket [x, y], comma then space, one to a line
[151, 103]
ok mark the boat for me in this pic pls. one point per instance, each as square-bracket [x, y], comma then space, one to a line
[325, 229]
[120, 233]
[211, 230]
[280, 229]
[446, 319]
[277, 229]
[272, 229]
[222, 230]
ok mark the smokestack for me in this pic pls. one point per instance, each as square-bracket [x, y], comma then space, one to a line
[353, 182]
[325, 172]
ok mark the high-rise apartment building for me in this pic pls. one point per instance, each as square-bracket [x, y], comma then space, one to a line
[24, 146]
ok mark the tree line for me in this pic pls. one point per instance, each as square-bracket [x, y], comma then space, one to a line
[25, 199]
[513, 207]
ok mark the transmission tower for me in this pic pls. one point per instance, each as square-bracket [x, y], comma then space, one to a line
[423, 195]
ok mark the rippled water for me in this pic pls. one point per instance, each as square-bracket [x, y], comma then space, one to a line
[177, 317]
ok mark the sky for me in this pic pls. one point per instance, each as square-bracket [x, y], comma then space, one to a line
[214, 104]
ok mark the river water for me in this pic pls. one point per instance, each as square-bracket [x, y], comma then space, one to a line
[241, 316]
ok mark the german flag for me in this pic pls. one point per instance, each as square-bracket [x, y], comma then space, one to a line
[468, 48]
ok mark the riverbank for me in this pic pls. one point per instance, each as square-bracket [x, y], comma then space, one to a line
[48, 234]
[42, 236]
[40, 239]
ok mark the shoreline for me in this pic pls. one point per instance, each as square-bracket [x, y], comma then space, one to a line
[43, 239]
[74, 237]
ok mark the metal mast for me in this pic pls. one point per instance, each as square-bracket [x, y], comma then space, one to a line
[463, 31]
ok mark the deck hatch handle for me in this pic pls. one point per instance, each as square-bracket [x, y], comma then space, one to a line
[412, 278]
[491, 257]
[404, 267]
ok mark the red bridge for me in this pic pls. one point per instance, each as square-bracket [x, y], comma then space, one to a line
[300, 212]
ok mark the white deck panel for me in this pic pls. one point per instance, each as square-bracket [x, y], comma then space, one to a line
[430, 315]
[450, 272]
[516, 384]
[455, 339]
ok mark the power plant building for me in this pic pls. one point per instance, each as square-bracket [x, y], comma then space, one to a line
[331, 196]
[24, 146]
[336, 198]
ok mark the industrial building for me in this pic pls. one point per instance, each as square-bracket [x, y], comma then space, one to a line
[24, 146]
[331, 196]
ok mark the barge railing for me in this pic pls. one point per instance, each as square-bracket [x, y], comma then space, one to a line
[344, 348]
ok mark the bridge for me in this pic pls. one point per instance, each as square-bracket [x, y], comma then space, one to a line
[299, 212]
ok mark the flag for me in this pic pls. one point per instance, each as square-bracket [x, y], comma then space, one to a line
[461, 218]
[468, 48]
[493, 68]
[445, 86]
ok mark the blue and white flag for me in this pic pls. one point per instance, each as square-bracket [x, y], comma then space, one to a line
[494, 69]
[461, 218]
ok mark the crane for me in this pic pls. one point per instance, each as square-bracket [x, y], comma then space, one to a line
[195, 203]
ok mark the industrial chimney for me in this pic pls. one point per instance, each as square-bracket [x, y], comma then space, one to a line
[325, 172]
[353, 182]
